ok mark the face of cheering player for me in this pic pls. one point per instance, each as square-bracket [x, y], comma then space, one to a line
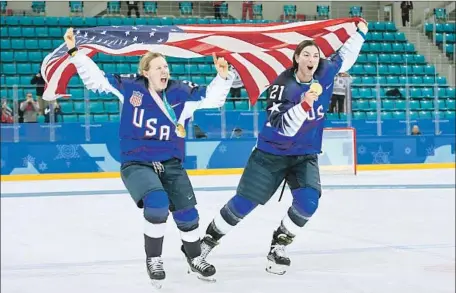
[157, 74]
[307, 62]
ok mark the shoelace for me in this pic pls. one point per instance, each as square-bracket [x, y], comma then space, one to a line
[279, 250]
[155, 264]
[205, 249]
[200, 263]
[158, 167]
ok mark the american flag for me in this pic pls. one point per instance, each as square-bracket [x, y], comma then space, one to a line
[259, 52]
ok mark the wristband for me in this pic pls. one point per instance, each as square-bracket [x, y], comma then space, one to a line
[72, 52]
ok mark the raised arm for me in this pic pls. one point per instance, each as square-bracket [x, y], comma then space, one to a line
[346, 56]
[93, 78]
[218, 89]
[211, 96]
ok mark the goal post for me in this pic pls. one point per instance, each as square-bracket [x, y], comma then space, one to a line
[338, 152]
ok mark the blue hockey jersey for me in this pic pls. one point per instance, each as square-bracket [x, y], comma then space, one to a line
[148, 120]
[291, 130]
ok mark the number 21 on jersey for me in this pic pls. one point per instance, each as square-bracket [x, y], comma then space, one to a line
[276, 92]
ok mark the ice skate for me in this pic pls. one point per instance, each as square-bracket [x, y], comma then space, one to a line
[155, 271]
[278, 261]
[199, 266]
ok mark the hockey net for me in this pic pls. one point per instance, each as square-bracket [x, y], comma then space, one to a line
[338, 152]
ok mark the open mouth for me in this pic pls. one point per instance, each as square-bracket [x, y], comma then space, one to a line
[310, 67]
[164, 79]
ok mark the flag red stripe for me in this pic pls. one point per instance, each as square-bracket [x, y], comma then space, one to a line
[268, 71]
[197, 46]
[342, 34]
[57, 65]
[325, 46]
[249, 83]
[282, 58]
[258, 40]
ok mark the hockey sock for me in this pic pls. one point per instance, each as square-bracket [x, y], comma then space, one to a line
[153, 246]
[192, 249]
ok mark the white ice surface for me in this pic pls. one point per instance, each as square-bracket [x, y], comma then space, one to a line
[359, 241]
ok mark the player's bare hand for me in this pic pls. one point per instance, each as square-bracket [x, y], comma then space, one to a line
[221, 65]
[310, 97]
[362, 26]
[70, 39]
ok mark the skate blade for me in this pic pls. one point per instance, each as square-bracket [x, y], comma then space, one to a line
[210, 279]
[276, 269]
[157, 284]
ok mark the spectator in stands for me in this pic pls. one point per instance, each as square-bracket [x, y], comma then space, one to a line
[247, 8]
[199, 133]
[235, 91]
[217, 5]
[30, 109]
[406, 6]
[416, 130]
[7, 113]
[133, 5]
[57, 112]
[341, 86]
[39, 81]
[237, 133]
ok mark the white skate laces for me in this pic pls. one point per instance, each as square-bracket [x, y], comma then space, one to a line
[155, 264]
[205, 250]
[200, 263]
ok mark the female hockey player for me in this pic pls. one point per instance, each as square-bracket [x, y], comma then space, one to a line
[155, 111]
[288, 147]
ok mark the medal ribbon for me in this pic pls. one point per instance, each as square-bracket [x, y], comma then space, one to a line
[169, 109]
[164, 106]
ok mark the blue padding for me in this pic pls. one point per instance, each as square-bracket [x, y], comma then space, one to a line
[186, 215]
[186, 220]
[156, 205]
[241, 206]
[156, 199]
[305, 200]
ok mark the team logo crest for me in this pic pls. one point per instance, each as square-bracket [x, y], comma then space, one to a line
[136, 98]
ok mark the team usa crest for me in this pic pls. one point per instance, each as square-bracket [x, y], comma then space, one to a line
[136, 98]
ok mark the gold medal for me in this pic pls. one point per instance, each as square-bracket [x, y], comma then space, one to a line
[317, 88]
[180, 130]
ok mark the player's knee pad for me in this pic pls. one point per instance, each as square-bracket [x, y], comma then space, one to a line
[236, 209]
[156, 205]
[187, 221]
[230, 215]
[305, 203]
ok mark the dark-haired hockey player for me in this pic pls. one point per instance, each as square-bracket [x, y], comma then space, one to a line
[288, 147]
